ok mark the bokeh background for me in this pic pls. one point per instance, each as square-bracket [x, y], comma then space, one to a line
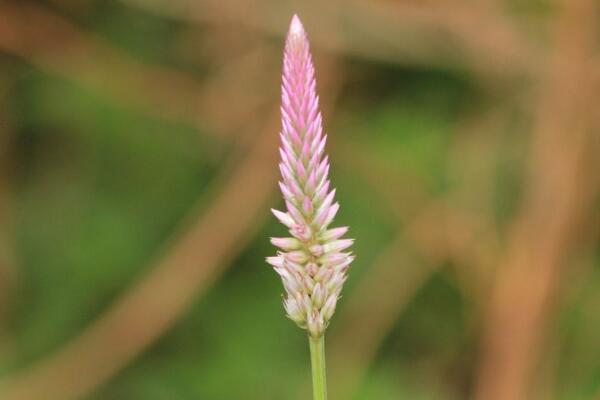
[138, 164]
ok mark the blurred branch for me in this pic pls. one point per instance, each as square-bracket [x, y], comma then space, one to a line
[492, 43]
[7, 266]
[401, 269]
[194, 262]
[398, 32]
[562, 186]
[470, 238]
[392, 281]
[433, 235]
[151, 306]
[54, 44]
[402, 192]
[471, 167]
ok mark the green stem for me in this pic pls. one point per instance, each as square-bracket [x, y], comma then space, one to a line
[317, 360]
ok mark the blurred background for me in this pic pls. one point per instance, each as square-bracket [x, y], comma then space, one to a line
[138, 146]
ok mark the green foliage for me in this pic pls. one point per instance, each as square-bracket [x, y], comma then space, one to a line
[100, 189]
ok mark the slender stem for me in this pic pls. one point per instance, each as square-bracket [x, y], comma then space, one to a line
[317, 360]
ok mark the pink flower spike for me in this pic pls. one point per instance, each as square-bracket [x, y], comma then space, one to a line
[333, 259]
[311, 264]
[321, 192]
[333, 234]
[307, 206]
[332, 212]
[284, 157]
[286, 243]
[337, 245]
[321, 145]
[324, 210]
[284, 218]
[300, 171]
[276, 261]
[295, 213]
[285, 191]
[311, 183]
[302, 232]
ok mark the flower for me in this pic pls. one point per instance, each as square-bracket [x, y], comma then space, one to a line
[312, 262]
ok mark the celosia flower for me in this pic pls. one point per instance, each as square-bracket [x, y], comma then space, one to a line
[312, 262]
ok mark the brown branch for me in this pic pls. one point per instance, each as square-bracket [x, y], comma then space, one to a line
[194, 262]
[151, 306]
[393, 280]
[472, 162]
[456, 34]
[559, 196]
[7, 262]
[403, 267]
[433, 233]
[382, 31]
[56, 45]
